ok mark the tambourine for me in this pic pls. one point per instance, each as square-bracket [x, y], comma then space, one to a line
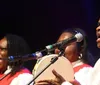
[62, 66]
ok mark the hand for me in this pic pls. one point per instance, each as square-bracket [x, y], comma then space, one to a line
[57, 81]
[75, 82]
[47, 82]
[58, 77]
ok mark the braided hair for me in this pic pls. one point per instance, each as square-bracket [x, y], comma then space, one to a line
[16, 47]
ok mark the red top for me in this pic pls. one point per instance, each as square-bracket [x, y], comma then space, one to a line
[77, 68]
[7, 80]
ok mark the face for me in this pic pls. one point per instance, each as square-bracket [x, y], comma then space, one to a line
[3, 54]
[71, 51]
[98, 34]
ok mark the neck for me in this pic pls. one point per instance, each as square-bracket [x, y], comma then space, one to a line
[77, 63]
[2, 70]
[5, 71]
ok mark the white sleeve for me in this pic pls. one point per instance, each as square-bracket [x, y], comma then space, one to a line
[82, 75]
[87, 75]
[22, 79]
[94, 77]
[66, 83]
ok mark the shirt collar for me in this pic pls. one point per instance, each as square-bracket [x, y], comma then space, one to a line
[77, 63]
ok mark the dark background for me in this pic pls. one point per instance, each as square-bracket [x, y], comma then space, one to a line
[41, 21]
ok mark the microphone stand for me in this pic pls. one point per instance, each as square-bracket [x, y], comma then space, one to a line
[53, 60]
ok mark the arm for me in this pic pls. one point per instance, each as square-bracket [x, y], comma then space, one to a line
[59, 80]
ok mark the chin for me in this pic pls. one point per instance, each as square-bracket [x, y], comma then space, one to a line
[98, 45]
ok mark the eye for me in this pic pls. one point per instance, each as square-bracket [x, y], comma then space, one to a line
[98, 23]
[98, 30]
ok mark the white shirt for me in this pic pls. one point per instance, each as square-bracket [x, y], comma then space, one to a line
[88, 76]
[21, 79]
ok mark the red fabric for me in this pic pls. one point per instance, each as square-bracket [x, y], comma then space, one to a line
[77, 68]
[7, 80]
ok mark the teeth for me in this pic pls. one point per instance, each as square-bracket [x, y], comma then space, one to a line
[98, 40]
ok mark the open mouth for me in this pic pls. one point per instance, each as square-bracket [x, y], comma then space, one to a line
[98, 38]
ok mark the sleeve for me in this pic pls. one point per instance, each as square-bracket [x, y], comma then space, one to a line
[94, 77]
[88, 76]
[22, 79]
[66, 83]
[82, 75]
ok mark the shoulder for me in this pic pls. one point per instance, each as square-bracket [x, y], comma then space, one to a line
[82, 67]
[94, 75]
[83, 70]
[83, 74]
[23, 78]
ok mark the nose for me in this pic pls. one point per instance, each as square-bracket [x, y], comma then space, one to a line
[0, 50]
[97, 30]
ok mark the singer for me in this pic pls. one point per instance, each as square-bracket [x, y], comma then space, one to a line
[77, 53]
[13, 73]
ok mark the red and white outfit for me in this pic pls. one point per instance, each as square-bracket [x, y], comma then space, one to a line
[94, 75]
[23, 77]
[80, 69]
[91, 77]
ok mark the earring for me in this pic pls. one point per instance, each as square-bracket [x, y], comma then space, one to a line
[80, 56]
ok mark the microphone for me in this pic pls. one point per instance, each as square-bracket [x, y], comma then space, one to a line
[27, 57]
[77, 38]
